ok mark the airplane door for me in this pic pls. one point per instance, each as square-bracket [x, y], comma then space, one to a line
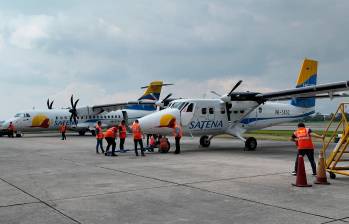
[187, 113]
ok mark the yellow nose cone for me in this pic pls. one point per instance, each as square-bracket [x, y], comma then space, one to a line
[167, 120]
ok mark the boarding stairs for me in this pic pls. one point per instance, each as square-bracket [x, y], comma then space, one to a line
[337, 160]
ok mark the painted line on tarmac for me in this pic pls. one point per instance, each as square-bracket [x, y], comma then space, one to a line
[41, 201]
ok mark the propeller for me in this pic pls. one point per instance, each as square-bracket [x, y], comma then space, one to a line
[73, 111]
[164, 102]
[49, 105]
[235, 87]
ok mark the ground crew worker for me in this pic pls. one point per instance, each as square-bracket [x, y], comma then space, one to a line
[110, 136]
[305, 145]
[122, 135]
[99, 137]
[63, 129]
[137, 137]
[177, 133]
[11, 129]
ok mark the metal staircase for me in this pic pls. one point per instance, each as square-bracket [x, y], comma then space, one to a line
[336, 161]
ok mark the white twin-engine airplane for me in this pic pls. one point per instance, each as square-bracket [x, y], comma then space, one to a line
[84, 119]
[238, 112]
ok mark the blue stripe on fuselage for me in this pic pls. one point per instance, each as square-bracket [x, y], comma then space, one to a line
[250, 120]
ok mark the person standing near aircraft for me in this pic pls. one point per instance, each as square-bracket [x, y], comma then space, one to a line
[99, 137]
[110, 136]
[11, 129]
[177, 133]
[63, 129]
[122, 135]
[302, 137]
[137, 137]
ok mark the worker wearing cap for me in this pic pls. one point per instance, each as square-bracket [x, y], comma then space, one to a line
[122, 135]
[137, 137]
[110, 136]
[99, 137]
[302, 137]
[177, 133]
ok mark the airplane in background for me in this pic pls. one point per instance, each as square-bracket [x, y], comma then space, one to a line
[84, 119]
[238, 112]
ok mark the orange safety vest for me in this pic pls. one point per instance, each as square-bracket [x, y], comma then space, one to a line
[99, 132]
[11, 127]
[177, 131]
[62, 128]
[136, 130]
[110, 133]
[152, 141]
[122, 131]
[304, 139]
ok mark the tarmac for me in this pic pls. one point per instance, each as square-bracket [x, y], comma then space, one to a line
[46, 180]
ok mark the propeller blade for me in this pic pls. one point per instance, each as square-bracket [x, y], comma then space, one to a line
[215, 93]
[71, 117]
[76, 102]
[75, 121]
[72, 101]
[168, 96]
[48, 103]
[51, 104]
[236, 86]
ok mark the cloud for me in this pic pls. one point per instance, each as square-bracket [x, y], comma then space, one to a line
[104, 52]
[29, 30]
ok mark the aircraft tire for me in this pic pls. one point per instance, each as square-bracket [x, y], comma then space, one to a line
[93, 133]
[204, 141]
[18, 135]
[251, 144]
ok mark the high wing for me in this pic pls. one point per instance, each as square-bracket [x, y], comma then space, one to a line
[119, 106]
[319, 96]
[308, 91]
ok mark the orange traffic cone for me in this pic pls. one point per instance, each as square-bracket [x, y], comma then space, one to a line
[321, 177]
[301, 177]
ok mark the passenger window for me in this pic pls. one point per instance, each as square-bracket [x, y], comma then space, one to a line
[89, 116]
[108, 116]
[94, 117]
[210, 110]
[242, 111]
[235, 111]
[204, 110]
[65, 117]
[190, 107]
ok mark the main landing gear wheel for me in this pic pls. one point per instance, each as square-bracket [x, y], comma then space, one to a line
[205, 141]
[251, 144]
[93, 132]
[332, 175]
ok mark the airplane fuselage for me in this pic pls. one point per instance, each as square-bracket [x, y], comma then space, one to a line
[200, 117]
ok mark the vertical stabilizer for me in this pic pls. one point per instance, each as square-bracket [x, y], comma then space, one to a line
[307, 77]
[153, 91]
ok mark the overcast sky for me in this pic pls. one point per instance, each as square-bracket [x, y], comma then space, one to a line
[103, 51]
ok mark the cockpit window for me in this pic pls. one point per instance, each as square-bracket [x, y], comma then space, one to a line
[27, 115]
[190, 107]
[19, 115]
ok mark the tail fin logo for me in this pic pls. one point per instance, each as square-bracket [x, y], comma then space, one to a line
[153, 91]
[307, 77]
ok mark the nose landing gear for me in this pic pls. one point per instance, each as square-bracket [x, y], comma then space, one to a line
[251, 144]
